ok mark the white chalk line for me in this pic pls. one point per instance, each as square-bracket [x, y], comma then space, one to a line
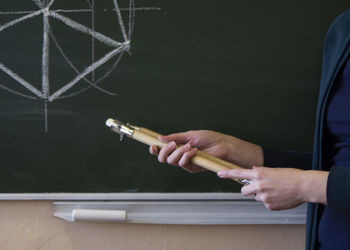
[39, 3]
[16, 12]
[50, 4]
[46, 116]
[80, 10]
[138, 8]
[92, 38]
[79, 27]
[20, 19]
[88, 70]
[45, 63]
[120, 19]
[53, 37]
[131, 17]
[89, 3]
[111, 69]
[120, 48]
[71, 11]
[130, 21]
[98, 81]
[20, 80]
[18, 93]
[104, 10]
[58, 93]
[45, 57]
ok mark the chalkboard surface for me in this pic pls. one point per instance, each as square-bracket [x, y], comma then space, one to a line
[247, 68]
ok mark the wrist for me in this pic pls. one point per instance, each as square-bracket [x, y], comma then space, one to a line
[314, 187]
[243, 153]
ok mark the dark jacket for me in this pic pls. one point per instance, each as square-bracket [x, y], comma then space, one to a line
[335, 52]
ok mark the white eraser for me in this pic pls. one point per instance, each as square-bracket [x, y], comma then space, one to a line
[99, 215]
[110, 122]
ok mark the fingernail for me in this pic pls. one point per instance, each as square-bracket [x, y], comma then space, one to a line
[171, 145]
[221, 173]
[187, 146]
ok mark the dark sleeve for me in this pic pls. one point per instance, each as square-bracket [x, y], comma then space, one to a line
[287, 159]
[338, 188]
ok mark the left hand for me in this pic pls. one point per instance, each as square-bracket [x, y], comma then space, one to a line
[281, 188]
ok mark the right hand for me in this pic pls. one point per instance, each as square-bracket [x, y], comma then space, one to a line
[211, 142]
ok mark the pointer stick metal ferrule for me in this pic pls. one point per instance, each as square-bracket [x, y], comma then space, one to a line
[150, 137]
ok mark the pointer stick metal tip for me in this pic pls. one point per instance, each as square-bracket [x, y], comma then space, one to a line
[109, 122]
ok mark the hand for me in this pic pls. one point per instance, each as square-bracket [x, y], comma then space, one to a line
[208, 141]
[282, 188]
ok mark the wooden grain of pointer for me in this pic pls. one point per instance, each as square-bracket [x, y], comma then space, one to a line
[150, 137]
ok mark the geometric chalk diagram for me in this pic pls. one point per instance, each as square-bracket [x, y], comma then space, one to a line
[47, 11]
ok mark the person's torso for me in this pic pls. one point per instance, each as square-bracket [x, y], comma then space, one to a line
[334, 227]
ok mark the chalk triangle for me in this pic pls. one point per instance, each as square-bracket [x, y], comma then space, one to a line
[19, 49]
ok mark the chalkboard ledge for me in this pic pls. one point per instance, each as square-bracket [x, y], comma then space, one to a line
[190, 209]
[180, 212]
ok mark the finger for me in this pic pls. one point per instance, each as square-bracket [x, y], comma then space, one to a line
[166, 151]
[178, 137]
[259, 197]
[257, 167]
[250, 189]
[175, 156]
[186, 158]
[153, 150]
[237, 174]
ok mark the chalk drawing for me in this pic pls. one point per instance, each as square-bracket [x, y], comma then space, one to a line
[119, 48]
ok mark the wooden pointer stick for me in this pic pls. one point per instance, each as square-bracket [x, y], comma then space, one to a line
[200, 153]
[149, 137]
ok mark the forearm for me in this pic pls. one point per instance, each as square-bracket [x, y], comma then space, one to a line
[243, 153]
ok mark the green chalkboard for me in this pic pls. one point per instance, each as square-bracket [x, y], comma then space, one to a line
[246, 68]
